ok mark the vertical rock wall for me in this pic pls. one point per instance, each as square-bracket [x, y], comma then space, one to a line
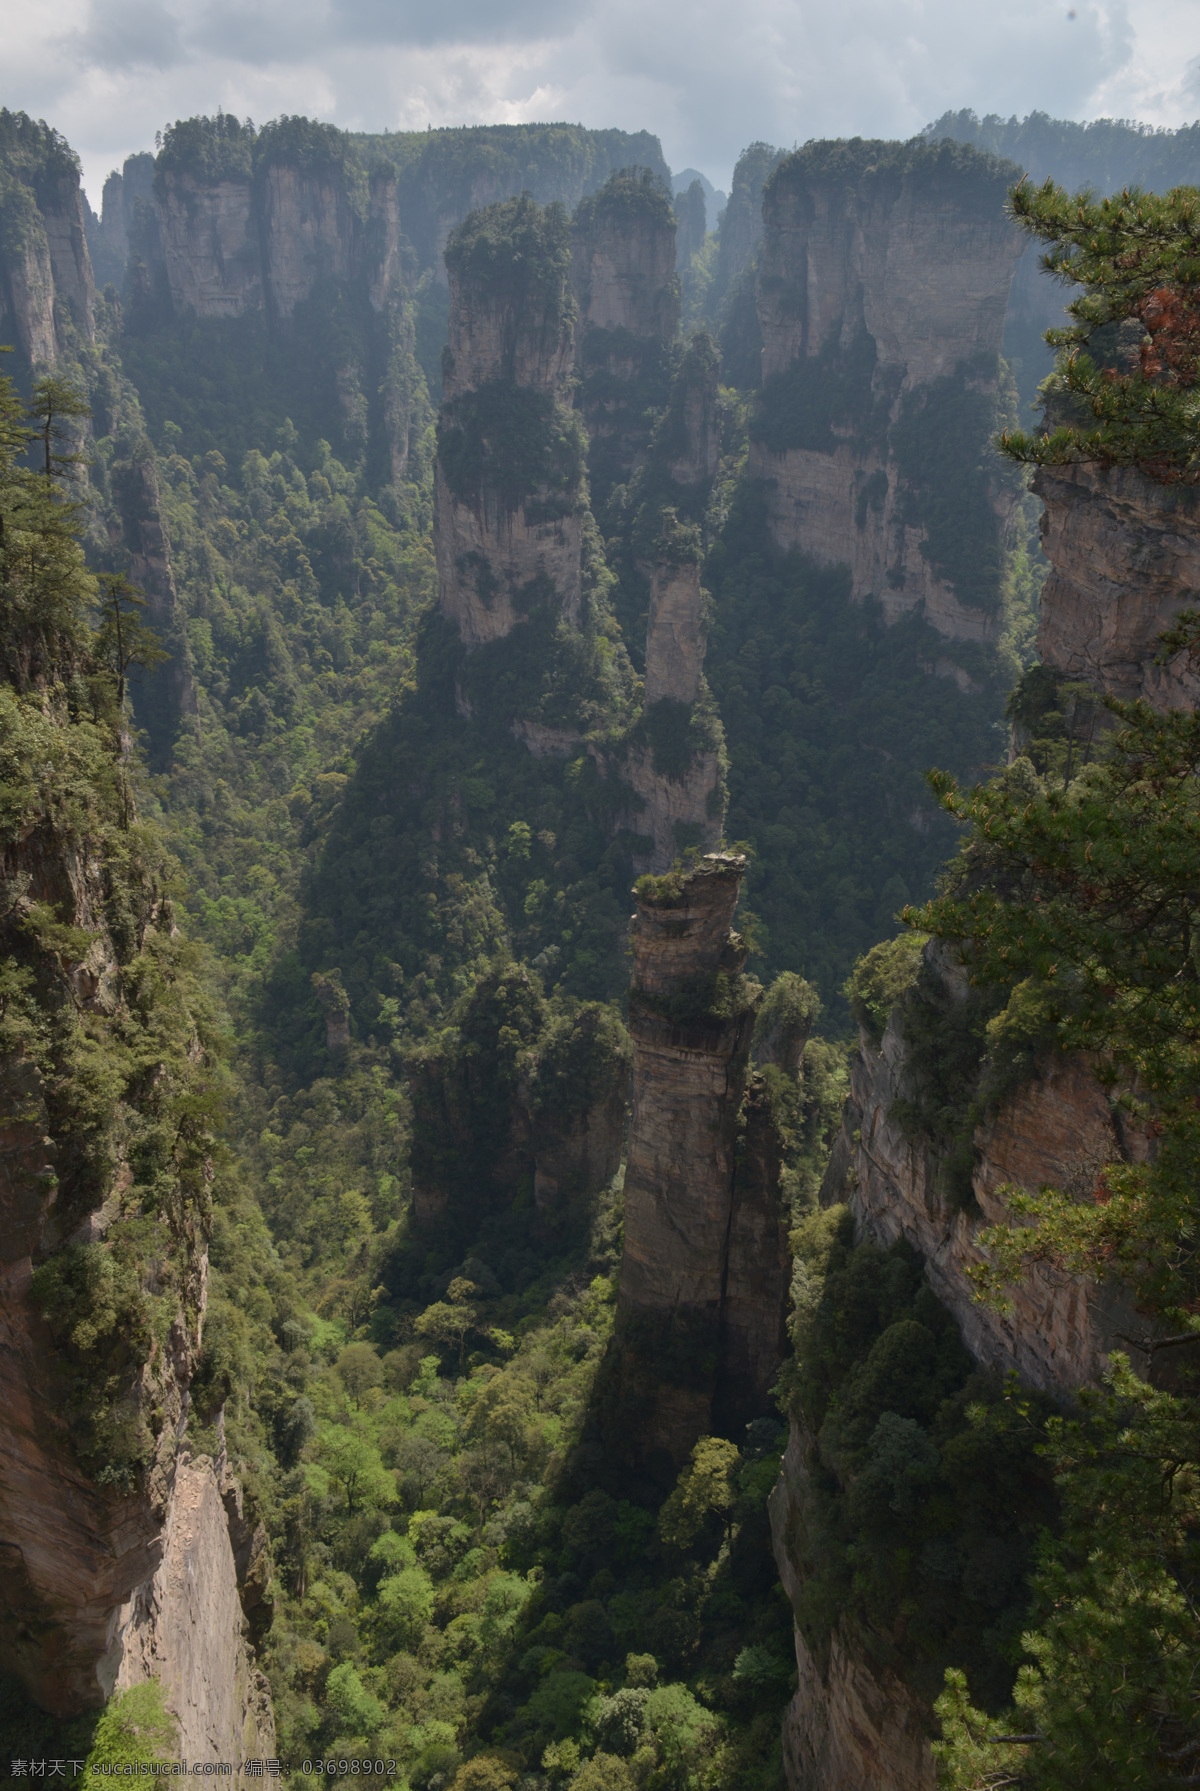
[883, 280]
[44, 259]
[681, 794]
[104, 1583]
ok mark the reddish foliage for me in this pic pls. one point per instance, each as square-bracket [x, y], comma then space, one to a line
[1171, 319]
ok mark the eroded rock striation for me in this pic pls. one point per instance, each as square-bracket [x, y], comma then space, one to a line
[696, 1348]
[250, 223]
[1124, 558]
[883, 279]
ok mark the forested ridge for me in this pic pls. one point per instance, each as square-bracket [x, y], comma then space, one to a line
[376, 891]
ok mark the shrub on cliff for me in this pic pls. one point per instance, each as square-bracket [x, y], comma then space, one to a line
[516, 253]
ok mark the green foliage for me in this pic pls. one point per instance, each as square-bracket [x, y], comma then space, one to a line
[209, 149]
[704, 1490]
[1100, 154]
[136, 1729]
[518, 443]
[517, 254]
[1135, 257]
[823, 398]
[830, 723]
[880, 978]
[790, 1010]
[1087, 892]
[960, 174]
[942, 444]
[925, 1494]
[1108, 1697]
[442, 171]
[629, 197]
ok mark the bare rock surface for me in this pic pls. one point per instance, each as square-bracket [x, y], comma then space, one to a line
[1057, 1129]
[185, 1627]
[671, 803]
[1124, 558]
[916, 262]
[675, 636]
[492, 561]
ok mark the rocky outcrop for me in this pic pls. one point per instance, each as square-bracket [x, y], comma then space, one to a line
[508, 491]
[700, 1226]
[851, 1725]
[44, 259]
[1124, 558]
[883, 278]
[104, 1587]
[1057, 1130]
[740, 230]
[127, 227]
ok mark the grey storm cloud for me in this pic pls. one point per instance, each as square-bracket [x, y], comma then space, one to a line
[709, 76]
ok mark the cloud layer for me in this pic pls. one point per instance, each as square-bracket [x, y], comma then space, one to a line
[709, 76]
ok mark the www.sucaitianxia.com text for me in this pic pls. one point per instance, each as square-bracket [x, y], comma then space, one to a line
[161, 1769]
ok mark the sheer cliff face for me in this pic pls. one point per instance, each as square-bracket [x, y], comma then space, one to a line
[106, 1579]
[1124, 558]
[1058, 1129]
[242, 244]
[508, 519]
[623, 266]
[210, 245]
[700, 1227]
[186, 1627]
[44, 256]
[883, 279]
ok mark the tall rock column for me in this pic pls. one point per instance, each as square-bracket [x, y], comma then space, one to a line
[691, 1015]
[509, 483]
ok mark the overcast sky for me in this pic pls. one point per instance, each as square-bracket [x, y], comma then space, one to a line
[708, 77]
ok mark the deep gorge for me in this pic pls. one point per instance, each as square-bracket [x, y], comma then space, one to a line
[446, 1319]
